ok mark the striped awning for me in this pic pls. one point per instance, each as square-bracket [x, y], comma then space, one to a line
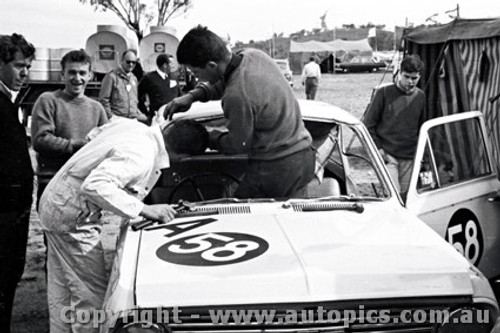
[462, 69]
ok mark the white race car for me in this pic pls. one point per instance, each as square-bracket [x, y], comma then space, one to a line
[350, 258]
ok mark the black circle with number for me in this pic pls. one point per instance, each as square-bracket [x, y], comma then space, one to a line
[212, 249]
[464, 228]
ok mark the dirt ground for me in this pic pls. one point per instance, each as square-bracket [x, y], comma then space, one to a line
[351, 92]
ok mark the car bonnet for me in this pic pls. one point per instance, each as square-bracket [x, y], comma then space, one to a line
[275, 255]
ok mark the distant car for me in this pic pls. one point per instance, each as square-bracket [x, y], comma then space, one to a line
[284, 66]
[360, 64]
[349, 251]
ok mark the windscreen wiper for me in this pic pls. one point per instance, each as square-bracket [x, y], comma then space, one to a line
[326, 206]
[316, 206]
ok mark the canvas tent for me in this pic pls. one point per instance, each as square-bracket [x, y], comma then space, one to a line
[345, 50]
[462, 60]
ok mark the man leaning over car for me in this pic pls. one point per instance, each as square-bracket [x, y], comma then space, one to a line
[264, 119]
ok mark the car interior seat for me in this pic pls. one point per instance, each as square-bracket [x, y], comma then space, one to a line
[328, 187]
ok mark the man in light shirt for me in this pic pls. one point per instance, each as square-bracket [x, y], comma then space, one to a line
[310, 77]
[113, 172]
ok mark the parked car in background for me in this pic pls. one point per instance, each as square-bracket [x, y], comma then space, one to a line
[349, 251]
[360, 64]
[284, 66]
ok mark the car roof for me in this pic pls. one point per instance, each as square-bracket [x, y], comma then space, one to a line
[311, 111]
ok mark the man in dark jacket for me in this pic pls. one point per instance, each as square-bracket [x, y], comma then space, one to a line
[157, 88]
[393, 119]
[16, 172]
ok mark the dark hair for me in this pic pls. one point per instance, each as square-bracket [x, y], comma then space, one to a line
[76, 56]
[312, 58]
[10, 45]
[127, 51]
[186, 136]
[163, 59]
[412, 64]
[199, 46]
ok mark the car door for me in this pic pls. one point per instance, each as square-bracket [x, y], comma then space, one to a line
[454, 187]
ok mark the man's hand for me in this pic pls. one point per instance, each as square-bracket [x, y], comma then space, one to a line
[141, 116]
[77, 144]
[161, 213]
[178, 104]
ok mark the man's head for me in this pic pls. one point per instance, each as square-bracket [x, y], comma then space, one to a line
[163, 62]
[16, 55]
[410, 70]
[205, 54]
[312, 59]
[185, 137]
[75, 70]
[129, 60]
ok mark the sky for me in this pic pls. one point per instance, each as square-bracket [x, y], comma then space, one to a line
[68, 23]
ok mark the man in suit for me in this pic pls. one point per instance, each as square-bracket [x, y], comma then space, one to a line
[16, 172]
[158, 87]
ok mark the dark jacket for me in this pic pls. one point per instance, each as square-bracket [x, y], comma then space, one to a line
[16, 172]
[264, 118]
[393, 119]
[159, 91]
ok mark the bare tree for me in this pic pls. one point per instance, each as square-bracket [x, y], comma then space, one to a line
[139, 14]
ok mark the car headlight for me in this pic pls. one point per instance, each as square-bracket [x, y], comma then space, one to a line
[478, 318]
[141, 328]
[467, 320]
[481, 288]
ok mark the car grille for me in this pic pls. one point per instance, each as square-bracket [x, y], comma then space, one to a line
[357, 318]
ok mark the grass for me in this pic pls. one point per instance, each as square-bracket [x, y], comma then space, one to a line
[351, 92]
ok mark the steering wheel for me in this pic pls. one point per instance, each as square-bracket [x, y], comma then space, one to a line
[205, 186]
